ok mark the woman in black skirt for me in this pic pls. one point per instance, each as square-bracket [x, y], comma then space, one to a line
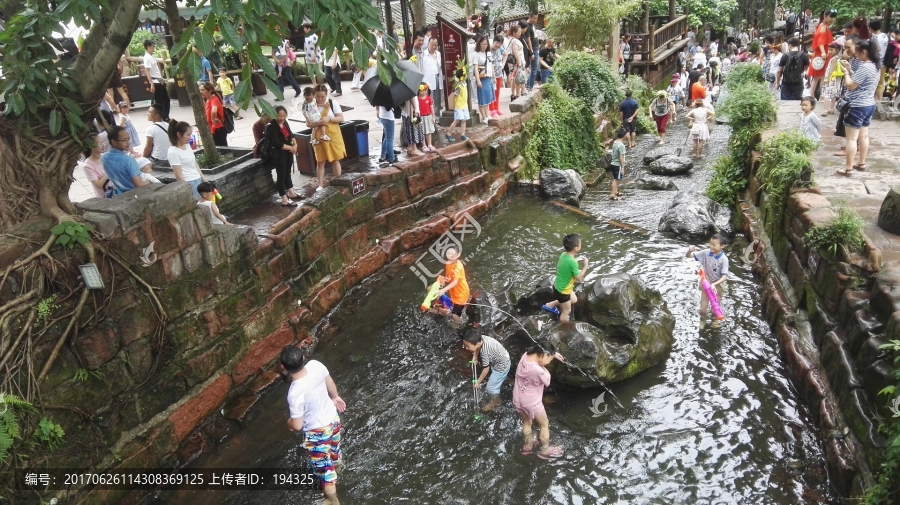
[284, 148]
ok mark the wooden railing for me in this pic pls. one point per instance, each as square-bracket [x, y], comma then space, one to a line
[640, 46]
[662, 36]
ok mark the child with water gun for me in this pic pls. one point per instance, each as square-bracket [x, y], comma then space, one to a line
[714, 270]
[434, 300]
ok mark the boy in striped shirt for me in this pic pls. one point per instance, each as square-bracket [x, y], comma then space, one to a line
[494, 359]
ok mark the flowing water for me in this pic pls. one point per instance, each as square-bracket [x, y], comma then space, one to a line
[716, 423]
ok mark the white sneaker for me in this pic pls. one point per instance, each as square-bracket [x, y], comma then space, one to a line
[320, 188]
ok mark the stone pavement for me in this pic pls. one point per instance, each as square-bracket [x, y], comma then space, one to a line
[863, 191]
[243, 135]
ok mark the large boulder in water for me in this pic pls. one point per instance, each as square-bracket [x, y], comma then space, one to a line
[694, 217]
[623, 328]
[563, 185]
[657, 153]
[649, 185]
[671, 165]
[889, 214]
[489, 310]
[541, 294]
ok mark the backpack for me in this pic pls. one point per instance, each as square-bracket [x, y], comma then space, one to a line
[228, 122]
[793, 69]
[891, 54]
[264, 150]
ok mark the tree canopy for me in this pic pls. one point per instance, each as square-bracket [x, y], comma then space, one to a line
[587, 23]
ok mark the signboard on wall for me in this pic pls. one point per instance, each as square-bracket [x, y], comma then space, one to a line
[452, 43]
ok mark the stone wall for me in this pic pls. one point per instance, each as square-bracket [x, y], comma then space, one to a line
[829, 320]
[161, 394]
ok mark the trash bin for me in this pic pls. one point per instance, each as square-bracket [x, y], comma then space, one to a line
[306, 157]
[348, 133]
[362, 137]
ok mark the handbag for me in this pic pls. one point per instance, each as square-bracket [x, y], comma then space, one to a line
[839, 128]
[521, 78]
[621, 69]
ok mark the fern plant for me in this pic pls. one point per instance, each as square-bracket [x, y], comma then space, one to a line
[10, 431]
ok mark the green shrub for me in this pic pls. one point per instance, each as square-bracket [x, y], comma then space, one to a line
[846, 230]
[750, 109]
[563, 134]
[136, 46]
[586, 77]
[644, 124]
[887, 485]
[640, 90]
[728, 180]
[744, 73]
[785, 157]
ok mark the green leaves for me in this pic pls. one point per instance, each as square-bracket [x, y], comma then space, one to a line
[70, 233]
[587, 23]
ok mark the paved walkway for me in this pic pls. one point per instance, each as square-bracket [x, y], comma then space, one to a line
[243, 134]
[863, 191]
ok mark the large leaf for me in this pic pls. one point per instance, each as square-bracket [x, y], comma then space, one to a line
[242, 91]
[204, 41]
[270, 84]
[261, 61]
[229, 33]
[55, 122]
[190, 65]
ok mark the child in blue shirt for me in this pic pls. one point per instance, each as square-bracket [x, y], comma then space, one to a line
[715, 266]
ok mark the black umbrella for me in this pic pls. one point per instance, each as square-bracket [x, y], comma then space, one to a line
[404, 85]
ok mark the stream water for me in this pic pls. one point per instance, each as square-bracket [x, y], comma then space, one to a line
[716, 423]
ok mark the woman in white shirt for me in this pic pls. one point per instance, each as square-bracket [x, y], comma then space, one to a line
[483, 71]
[518, 53]
[432, 67]
[181, 156]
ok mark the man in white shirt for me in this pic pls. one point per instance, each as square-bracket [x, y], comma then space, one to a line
[156, 145]
[314, 405]
[311, 53]
[157, 83]
[333, 72]
[744, 39]
[714, 48]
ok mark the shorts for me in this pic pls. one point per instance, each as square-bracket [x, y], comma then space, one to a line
[629, 126]
[312, 71]
[561, 298]
[532, 412]
[428, 122]
[880, 87]
[228, 99]
[324, 448]
[859, 117]
[458, 309]
[116, 81]
[495, 381]
[615, 171]
[445, 302]
[460, 114]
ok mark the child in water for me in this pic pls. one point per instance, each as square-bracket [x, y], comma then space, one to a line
[457, 287]
[715, 266]
[531, 379]
[567, 272]
[494, 359]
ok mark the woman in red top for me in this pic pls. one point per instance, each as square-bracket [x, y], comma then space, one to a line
[821, 39]
[215, 113]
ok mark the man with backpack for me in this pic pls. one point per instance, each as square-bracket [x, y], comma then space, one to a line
[790, 71]
[790, 24]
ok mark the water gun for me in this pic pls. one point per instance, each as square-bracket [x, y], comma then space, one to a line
[217, 195]
[433, 292]
[711, 295]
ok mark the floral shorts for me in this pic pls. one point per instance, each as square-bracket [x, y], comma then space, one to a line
[324, 448]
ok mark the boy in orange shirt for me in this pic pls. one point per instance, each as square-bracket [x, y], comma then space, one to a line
[457, 287]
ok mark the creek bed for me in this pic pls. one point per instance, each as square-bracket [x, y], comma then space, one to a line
[718, 422]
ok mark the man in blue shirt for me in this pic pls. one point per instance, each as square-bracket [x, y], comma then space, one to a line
[628, 111]
[121, 168]
[205, 70]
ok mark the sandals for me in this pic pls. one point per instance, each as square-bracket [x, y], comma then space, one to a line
[843, 171]
[861, 166]
[552, 452]
[289, 204]
[615, 198]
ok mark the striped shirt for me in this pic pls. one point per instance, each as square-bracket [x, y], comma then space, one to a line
[494, 355]
[866, 76]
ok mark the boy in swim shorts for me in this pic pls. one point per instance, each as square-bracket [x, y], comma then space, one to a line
[567, 272]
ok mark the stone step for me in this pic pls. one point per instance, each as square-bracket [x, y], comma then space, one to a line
[239, 406]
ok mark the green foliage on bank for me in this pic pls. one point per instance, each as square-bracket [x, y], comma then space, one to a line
[563, 134]
[750, 109]
[785, 158]
[846, 230]
[589, 78]
[887, 485]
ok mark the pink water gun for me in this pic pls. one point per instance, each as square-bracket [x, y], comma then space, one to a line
[711, 295]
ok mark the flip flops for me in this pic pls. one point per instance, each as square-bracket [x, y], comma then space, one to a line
[552, 452]
[527, 450]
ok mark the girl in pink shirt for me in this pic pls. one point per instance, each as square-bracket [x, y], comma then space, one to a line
[531, 379]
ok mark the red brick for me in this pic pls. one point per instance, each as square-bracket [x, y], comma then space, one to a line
[190, 414]
[389, 195]
[264, 320]
[286, 222]
[367, 265]
[391, 247]
[352, 245]
[307, 222]
[427, 178]
[475, 210]
[96, 347]
[382, 176]
[416, 165]
[398, 219]
[424, 232]
[327, 297]
[498, 195]
[262, 353]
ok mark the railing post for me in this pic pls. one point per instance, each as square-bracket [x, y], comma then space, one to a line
[652, 41]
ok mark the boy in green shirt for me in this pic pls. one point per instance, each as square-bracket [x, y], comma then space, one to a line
[567, 272]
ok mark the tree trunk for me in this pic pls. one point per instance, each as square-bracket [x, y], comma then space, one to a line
[886, 25]
[645, 17]
[418, 12]
[673, 11]
[198, 107]
[612, 51]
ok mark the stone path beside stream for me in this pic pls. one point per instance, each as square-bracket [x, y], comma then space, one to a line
[863, 191]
